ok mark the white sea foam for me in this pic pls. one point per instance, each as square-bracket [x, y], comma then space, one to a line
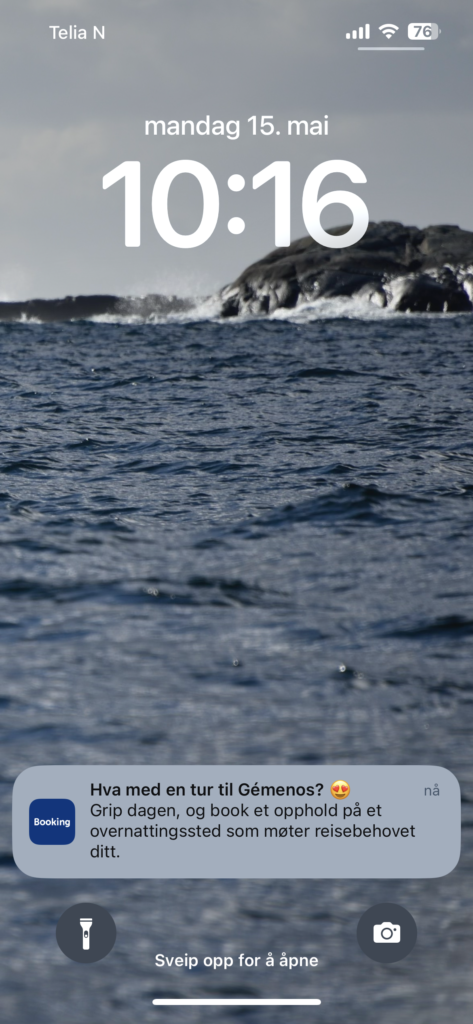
[208, 308]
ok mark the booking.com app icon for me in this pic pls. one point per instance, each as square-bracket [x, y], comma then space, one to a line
[52, 822]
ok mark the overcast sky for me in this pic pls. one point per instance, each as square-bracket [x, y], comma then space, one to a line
[71, 111]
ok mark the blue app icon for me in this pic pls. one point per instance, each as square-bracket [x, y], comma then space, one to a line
[52, 822]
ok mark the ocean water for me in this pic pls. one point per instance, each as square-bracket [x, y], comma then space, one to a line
[244, 542]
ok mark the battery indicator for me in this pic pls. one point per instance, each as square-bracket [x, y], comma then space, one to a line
[423, 30]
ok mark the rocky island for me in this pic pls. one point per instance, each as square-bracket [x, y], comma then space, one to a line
[409, 269]
[428, 270]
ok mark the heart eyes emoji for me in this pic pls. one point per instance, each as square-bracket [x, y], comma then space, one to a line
[340, 789]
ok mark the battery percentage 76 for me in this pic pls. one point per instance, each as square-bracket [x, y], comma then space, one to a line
[423, 30]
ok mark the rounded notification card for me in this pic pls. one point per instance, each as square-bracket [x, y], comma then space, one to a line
[236, 821]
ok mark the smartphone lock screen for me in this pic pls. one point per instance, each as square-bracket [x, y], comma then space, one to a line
[236, 507]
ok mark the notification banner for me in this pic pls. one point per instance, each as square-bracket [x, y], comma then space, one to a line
[236, 821]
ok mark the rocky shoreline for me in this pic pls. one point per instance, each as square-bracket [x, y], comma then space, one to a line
[403, 268]
[84, 307]
[412, 270]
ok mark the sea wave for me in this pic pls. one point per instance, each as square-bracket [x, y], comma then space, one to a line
[162, 309]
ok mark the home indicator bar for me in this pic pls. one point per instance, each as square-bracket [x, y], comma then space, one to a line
[236, 1002]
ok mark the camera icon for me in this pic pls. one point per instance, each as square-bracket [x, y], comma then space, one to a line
[386, 932]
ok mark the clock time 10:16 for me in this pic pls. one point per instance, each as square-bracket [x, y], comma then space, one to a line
[279, 170]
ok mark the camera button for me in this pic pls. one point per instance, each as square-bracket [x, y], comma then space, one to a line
[387, 933]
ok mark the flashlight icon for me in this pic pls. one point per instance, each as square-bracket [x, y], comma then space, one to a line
[86, 924]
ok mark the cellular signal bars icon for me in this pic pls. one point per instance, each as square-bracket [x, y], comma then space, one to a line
[359, 33]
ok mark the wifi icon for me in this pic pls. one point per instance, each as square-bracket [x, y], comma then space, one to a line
[388, 30]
